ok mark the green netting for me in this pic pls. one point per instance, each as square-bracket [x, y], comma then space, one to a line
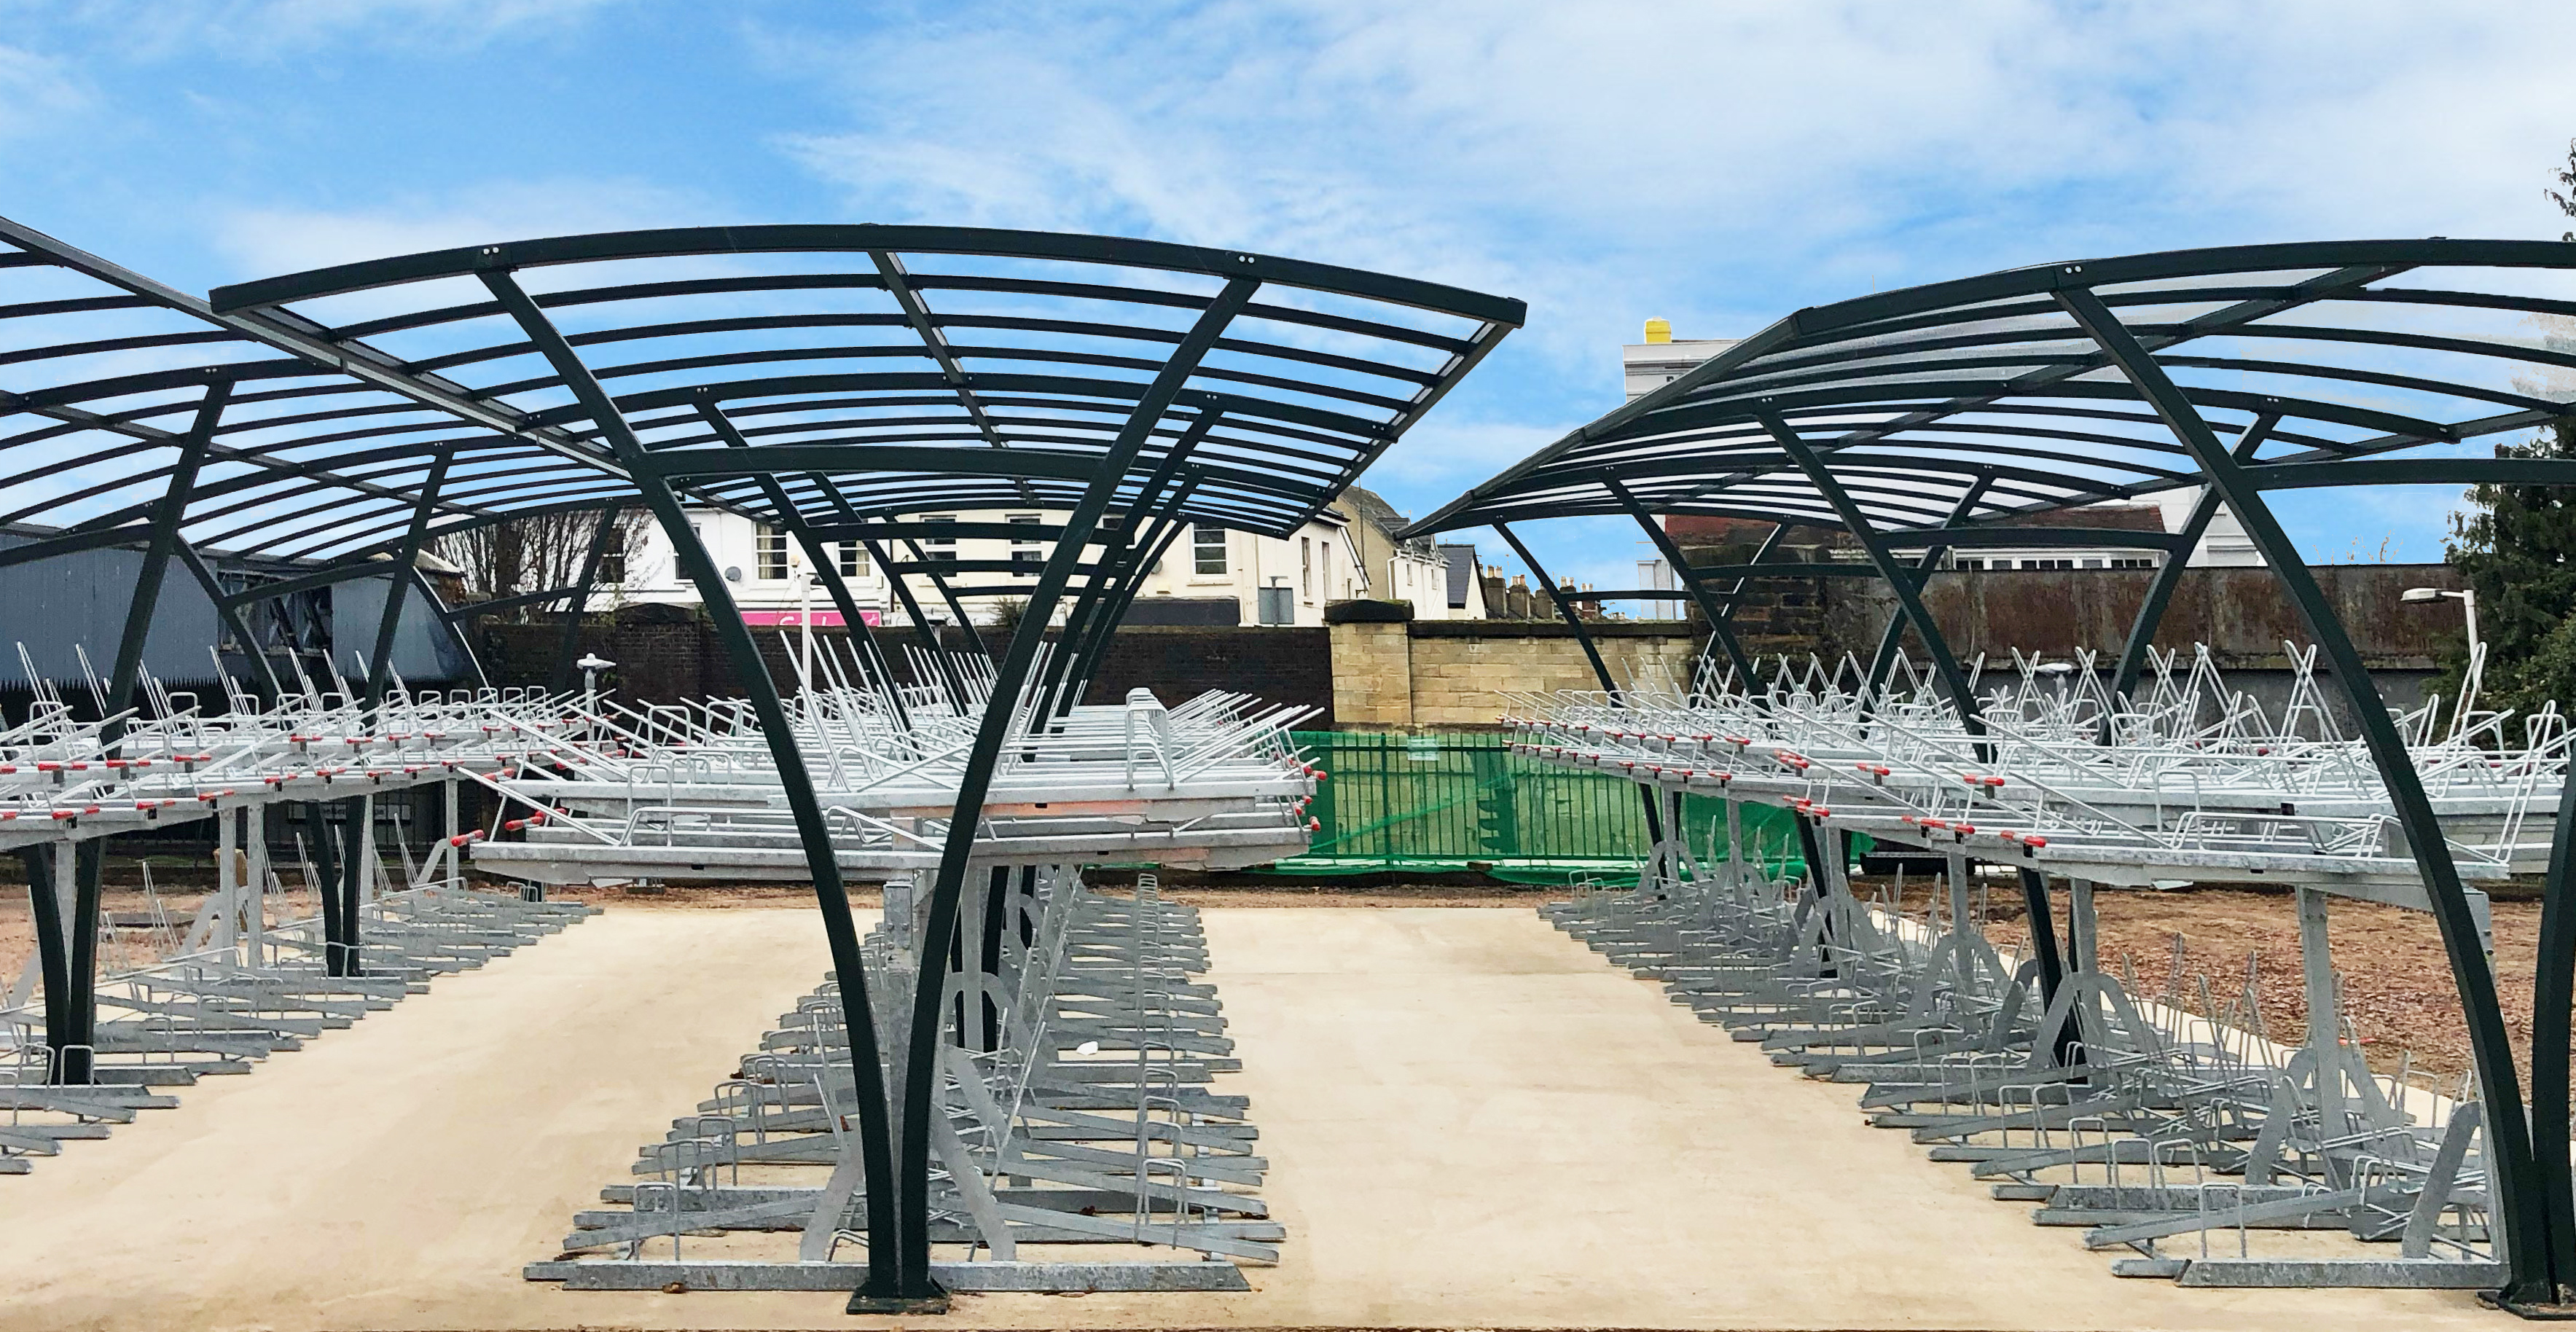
[1464, 801]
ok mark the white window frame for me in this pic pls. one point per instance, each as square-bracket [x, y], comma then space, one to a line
[769, 551]
[1208, 541]
[1028, 554]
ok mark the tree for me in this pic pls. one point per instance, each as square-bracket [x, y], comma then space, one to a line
[521, 555]
[2516, 548]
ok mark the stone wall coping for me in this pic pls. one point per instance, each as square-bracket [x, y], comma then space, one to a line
[1550, 628]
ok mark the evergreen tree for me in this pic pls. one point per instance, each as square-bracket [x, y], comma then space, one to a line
[2516, 548]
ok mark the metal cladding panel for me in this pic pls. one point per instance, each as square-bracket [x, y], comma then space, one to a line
[71, 603]
[423, 651]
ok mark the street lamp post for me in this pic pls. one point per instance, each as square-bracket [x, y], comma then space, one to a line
[2467, 597]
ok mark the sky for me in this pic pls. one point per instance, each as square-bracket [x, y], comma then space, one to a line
[1718, 165]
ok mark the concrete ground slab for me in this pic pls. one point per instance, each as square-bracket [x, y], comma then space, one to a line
[1472, 1121]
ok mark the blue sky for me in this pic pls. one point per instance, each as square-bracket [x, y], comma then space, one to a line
[1718, 165]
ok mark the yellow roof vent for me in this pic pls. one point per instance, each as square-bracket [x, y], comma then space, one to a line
[1659, 330]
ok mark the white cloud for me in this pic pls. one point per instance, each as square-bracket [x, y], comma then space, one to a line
[33, 90]
[1717, 165]
[261, 241]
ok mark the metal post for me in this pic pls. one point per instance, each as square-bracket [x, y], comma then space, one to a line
[231, 615]
[568, 647]
[399, 585]
[2531, 1276]
[1884, 660]
[956, 608]
[1104, 627]
[1672, 552]
[816, 556]
[2553, 1011]
[447, 623]
[2151, 611]
[76, 877]
[1953, 680]
[830, 896]
[948, 675]
[1600, 669]
[53, 952]
[82, 982]
[922, 1065]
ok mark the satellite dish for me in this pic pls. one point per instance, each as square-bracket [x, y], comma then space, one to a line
[733, 573]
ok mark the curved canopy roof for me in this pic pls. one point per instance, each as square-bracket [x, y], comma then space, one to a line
[897, 368]
[1964, 402]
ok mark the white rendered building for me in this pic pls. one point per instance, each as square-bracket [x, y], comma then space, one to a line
[1209, 575]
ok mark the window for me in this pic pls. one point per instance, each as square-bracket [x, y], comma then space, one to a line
[612, 566]
[854, 560]
[1027, 556]
[2133, 562]
[1207, 546]
[2048, 564]
[1306, 566]
[769, 547]
[939, 549]
[1971, 564]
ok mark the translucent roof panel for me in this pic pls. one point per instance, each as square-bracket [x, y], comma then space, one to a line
[2295, 354]
[910, 367]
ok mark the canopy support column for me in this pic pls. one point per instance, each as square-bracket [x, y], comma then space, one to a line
[922, 1066]
[2519, 1200]
[1953, 680]
[1884, 660]
[2160, 591]
[568, 646]
[1718, 629]
[74, 1044]
[1600, 669]
[830, 896]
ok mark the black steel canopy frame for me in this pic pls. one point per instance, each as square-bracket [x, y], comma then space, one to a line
[1942, 416]
[362, 410]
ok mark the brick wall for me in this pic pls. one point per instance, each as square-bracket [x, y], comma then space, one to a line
[2242, 614]
[1452, 673]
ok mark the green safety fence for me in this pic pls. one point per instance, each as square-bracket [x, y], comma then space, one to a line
[1464, 801]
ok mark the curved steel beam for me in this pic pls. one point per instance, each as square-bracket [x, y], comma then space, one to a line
[2520, 1201]
[1909, 602]
[830, 897]
[923, 1069]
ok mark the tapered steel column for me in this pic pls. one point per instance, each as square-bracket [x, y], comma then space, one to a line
[1104, 627]
[956, 608]
[231, 616]
[922, 1066]
[568, 646]
[2160, 590]
[447, 625]
[2553, 993]
[1953, 680]
[2520, 1201]
[948, 676]
[1884, 660]
[73, 1045]
[398, 586]
[53, 950]
[817, 557]
[866, 1065]
[1718, 628]
[1600, 669]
